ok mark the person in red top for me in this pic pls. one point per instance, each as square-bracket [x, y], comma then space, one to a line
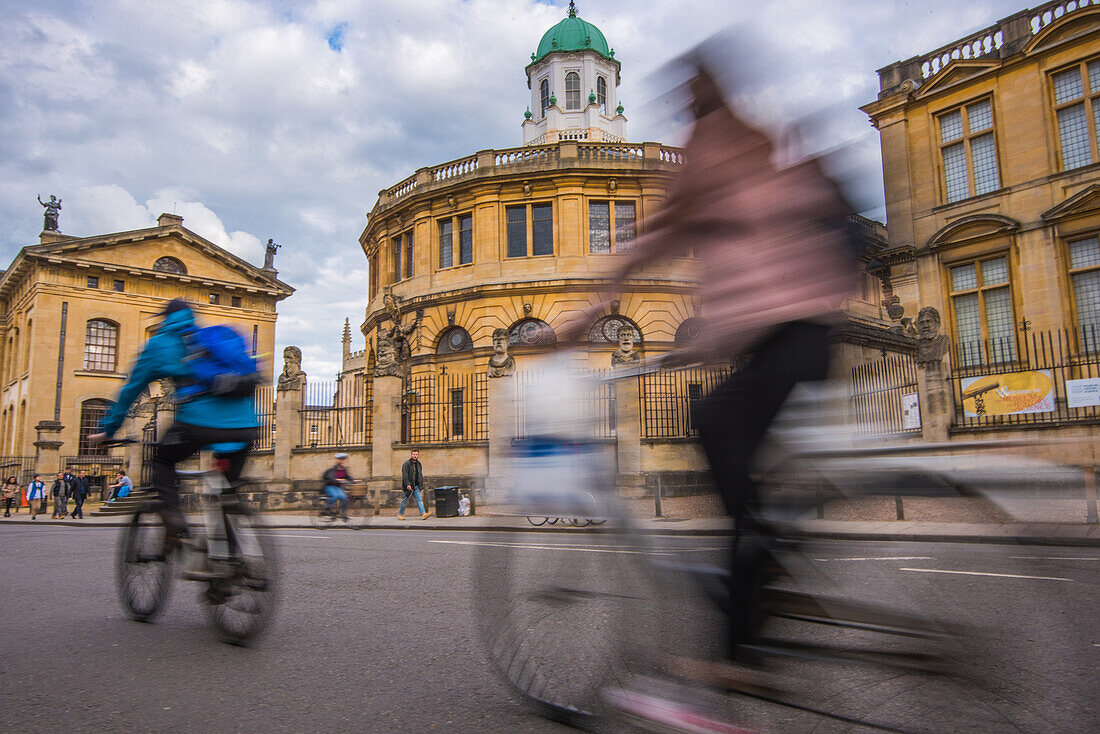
[334, 480]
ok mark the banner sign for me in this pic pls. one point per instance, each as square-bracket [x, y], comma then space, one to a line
[910, 411]
[1083, 393]
[1012, 393]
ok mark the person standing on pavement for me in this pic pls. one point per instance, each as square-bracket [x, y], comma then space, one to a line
[36, 492]
[412, 483]
[78, 486]
[60, 493]
[8, 493]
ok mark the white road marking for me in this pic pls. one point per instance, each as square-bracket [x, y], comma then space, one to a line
[281, 535]
[578, 549]
[1056, 558]
[980, 573]
[880, 558]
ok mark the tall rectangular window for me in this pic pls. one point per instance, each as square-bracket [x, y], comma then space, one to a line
[1084, 273]
[446, 243]
[458, 423]
[599, 227]
[466, 239]
[542, 229]
[409, 254]
[985, 325]
[968, 148]
[610, 226]
[373, 276]
[1077, 108]
[517, 231]
[396, 259]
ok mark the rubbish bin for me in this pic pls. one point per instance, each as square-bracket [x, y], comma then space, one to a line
[446, 501]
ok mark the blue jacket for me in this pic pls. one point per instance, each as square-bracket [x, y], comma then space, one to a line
[164, 357]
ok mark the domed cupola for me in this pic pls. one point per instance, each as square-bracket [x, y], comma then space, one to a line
[573, 58]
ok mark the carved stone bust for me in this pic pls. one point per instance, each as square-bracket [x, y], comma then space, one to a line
[386, 362]
[931, 344]
[501, 364]
[292, 377]
[626, 354]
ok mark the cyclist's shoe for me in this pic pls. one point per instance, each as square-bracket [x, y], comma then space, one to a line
[665, 709]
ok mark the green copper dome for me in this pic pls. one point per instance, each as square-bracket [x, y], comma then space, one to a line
[573, 34]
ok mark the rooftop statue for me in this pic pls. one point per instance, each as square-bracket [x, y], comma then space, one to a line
[53, 211]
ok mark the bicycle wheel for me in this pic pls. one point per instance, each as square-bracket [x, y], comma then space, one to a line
[537, 520]
[558, 620]
[243, 602]
[553, 520]
[579, 522]
[143, 572]
[360, 512]
[322, 520]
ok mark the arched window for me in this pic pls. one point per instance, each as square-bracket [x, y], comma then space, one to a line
[606, 330]
[170, 265]
[544, 96]
[91, 413]
[572, 91]
[601, 93]
[531, 332]
[454, 339]
[101, 346]
[689, 331]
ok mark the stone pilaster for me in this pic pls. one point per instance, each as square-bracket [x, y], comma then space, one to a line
[47, 449]
[386, 431]
[288, 428]
[502, 422]
[628, 437]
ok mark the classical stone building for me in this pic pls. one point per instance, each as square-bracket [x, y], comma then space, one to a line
[76, 311]
[992, 175]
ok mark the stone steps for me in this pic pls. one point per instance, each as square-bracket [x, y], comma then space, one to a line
[124, 505]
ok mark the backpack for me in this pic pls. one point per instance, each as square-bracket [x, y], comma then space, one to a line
[219, 363]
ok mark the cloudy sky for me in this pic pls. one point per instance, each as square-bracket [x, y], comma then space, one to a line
[284, 118]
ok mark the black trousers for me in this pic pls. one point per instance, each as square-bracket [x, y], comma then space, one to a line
[7, 505]
[732, 422]
[182, 440]
[78, 504]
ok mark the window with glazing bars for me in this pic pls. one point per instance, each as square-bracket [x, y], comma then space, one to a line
[1077, 109]
[409, 254]
[544, 97]
[572, 91]
[465, 225]
[985, 325]
[1084, 273]
[968, 148]
[458, 424]
[610, 226]
[101, 346]
[396, 259]
[541, 236]
[91, 413]
[446, 243]
[601, 93]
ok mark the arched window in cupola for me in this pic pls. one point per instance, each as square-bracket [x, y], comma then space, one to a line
[601, 94]
[544, 96]
[572, 91]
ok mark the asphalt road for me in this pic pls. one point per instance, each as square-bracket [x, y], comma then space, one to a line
[375, 632]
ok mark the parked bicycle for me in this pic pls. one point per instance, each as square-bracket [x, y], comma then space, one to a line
[229, 552]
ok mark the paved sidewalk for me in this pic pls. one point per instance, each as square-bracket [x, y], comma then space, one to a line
[942, 532]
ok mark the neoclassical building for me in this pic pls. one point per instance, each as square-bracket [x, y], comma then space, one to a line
[992, 176]
[75, 311]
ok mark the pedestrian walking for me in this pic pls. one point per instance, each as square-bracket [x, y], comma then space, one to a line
[8, 493]
[78, 487]
[412, 482]
[60, 493]
[36, 496]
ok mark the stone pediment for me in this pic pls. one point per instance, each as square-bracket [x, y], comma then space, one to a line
[956, 71]
[137, 251]
[971, 228]
[1086, 201]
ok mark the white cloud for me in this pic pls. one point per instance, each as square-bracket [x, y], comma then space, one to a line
[239, 116]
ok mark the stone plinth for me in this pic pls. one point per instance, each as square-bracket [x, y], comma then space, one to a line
[502, 421]
[628, 437]
[47, 449]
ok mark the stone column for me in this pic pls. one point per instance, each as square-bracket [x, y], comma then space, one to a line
[502, 422]
[628, 437]
[386, 431]
[288, 430]
[47, 449]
